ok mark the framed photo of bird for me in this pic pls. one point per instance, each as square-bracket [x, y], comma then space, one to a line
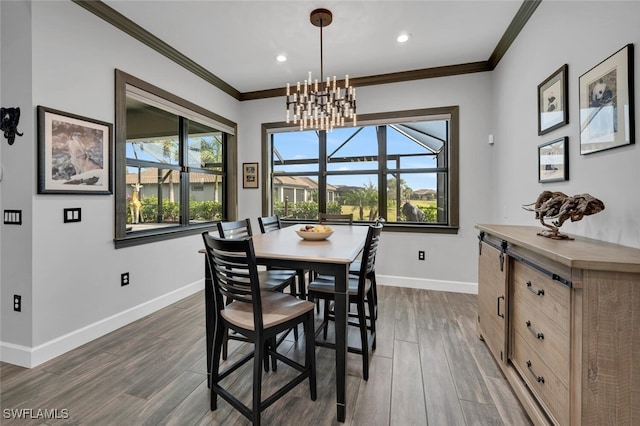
[606, 103]
[74, 154]
[553, 105]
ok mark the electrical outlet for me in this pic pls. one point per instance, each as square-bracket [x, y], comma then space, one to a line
[124, 279]
[420, 254]
[17, 303]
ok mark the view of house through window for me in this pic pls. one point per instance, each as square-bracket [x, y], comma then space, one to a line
[399, 169]
[171, 165]
[157, 172]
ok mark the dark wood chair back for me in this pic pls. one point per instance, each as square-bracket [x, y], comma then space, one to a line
[239, 229]
[367, 264]
[336, 219]
[233, 267]
[269, 223]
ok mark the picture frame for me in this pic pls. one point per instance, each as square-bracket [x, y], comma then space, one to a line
[249, 175]
[606, 103]
[553, 160]
[553, 101]
[74, 154]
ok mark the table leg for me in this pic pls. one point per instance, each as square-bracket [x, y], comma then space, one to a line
[341, 316]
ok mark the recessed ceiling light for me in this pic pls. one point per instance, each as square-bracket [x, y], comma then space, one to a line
[281, 58]
[402, 38]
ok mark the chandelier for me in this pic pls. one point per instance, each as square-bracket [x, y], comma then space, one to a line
[321, 104]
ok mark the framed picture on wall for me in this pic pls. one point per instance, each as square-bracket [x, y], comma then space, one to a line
[74, 154]
[606, 103]
[553, 160]
[249, 175]
[553, 105]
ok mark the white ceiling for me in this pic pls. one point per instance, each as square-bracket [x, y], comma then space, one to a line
[239, 40]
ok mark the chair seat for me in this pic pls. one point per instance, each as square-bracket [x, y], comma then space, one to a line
[275, 279]
[277, 308]
[326, 284]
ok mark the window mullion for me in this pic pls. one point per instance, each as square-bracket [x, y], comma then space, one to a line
[322, 171]
[183, 131]
[382, 170]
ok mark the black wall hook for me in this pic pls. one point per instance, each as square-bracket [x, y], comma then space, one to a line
[10, 119]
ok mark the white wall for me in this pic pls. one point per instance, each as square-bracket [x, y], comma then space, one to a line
[580, 34]
[69, 274]
[17, 173]
[450, 259]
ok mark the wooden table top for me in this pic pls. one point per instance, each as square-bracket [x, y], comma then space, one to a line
[342, 247]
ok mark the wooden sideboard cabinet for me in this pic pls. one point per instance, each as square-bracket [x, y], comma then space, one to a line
[562, 320]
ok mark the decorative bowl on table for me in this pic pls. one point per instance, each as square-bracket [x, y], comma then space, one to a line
[314, 232]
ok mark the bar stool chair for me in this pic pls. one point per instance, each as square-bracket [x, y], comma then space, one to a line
[271, 280]
[360, 293]
[257, 315]
[354, 269]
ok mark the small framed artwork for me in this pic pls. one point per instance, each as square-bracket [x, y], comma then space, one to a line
[606, 103]
[553, 105]
[74, 154]
[553, 160]
[249, 175]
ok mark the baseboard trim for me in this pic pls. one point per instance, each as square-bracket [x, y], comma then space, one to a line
[31, 357]
[427, 284]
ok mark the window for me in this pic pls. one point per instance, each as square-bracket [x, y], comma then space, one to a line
[402, 166]
[174, 164]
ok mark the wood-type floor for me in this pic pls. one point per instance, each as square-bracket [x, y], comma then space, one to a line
[429, 368]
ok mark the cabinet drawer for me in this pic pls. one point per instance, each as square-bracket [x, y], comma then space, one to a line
[549, 390]
[549, 341]
[549, 297]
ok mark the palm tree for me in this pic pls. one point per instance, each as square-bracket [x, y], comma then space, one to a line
[367, 196]
[210, 154]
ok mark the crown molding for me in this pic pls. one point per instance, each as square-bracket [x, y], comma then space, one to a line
[123, 23]
[517, 24]
[126, 25]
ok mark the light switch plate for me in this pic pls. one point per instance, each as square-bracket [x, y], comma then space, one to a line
[72, 215]
[13, 217]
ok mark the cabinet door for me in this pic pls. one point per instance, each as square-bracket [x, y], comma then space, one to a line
[492, 305]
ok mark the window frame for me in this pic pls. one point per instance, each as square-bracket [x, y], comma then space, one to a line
[383, 118]
[121, 237]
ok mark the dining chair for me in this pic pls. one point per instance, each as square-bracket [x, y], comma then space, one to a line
[360, 293]
[270, 279]
[272, 223]
[276, 279]
[257, 315]
[331, 219]
[335, 219]
[354, 269]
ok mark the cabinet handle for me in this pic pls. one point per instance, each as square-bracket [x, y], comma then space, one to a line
[537, 335]
[540, 379]
[536, 292]
[498, 313]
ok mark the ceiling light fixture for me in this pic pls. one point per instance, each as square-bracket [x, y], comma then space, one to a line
[322, 105]
[402, 38]
[281, 58]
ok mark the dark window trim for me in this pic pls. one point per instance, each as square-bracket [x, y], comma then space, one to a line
[121, 238]
[384, 118]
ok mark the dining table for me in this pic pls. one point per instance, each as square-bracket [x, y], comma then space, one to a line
[332, 256]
